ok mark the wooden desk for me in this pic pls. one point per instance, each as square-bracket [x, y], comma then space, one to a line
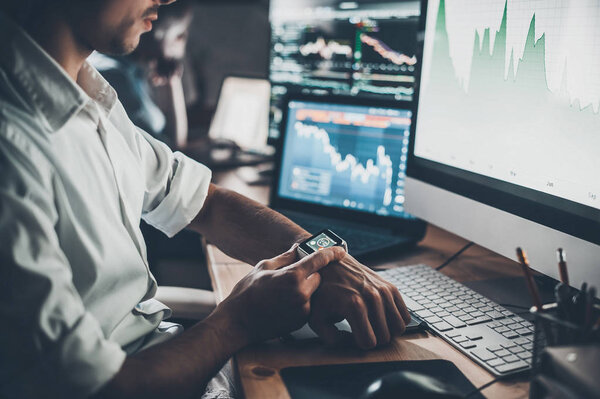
[258, 366]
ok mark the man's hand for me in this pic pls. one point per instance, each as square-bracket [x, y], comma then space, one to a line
[274, 299]
[373, 307]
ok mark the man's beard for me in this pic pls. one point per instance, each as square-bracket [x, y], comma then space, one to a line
[118, 44]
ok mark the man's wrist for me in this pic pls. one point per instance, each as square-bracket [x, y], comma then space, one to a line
[301, 237]
[230, 332]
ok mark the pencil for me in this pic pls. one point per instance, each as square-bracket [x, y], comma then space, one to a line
[535, 295]
[562, 266]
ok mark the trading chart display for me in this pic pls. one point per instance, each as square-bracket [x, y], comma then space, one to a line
[346, 156]
[511, 90]
[362, 48]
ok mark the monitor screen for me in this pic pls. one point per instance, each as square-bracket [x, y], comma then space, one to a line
[508, 108]
[346, 156]
[360, 48]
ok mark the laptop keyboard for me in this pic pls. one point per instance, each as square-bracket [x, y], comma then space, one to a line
[486, 332]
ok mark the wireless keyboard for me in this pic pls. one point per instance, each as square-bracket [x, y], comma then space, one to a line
[494, 337]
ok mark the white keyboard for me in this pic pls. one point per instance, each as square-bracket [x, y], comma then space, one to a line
[488, 333]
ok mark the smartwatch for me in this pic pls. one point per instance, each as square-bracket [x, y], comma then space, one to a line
[323, 239]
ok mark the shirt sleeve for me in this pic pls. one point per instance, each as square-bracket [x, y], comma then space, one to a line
[176, 185]
[50, 346]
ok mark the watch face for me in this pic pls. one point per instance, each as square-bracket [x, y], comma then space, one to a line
[321, 241]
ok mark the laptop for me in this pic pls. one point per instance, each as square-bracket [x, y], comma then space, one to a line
[341, 164]
[242, 114]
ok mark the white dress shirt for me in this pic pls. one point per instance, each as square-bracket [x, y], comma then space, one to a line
[76, 177]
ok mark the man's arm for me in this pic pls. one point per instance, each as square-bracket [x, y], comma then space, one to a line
[249, 231]
[245, 229]
[181, 368]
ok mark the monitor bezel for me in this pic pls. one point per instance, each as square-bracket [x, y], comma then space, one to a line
[395, 223]
[567, 216]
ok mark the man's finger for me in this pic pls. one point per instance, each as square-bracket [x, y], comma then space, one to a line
[401, 306]
[285, 259]
[312, 283]
[395, 320]
[361, 327]
[325, 329]
[318, 260]
[378, 319]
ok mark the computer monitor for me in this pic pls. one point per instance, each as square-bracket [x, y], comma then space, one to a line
[507, 130]
[360, 48]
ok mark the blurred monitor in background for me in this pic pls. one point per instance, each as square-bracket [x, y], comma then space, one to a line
[151, 82]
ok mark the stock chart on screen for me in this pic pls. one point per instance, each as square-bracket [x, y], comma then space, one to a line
[519, 81]
[346, 156]
[363, 48]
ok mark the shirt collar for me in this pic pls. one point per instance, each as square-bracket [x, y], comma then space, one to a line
[43, 83]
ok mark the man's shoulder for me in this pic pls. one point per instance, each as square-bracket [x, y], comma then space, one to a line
[21, 138]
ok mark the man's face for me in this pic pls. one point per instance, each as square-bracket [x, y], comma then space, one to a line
[115, 26]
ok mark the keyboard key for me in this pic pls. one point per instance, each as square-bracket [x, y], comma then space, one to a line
[483, 354]
[510, 359]
[460, 339]
[494, 348]
[443, 326]
[495, 314]
[495, 362]
[516, 349]
[473, 337]
[522, 340]
[528, 346]
[524, 355]
[501, 329]
[467, 344]
[432, 319]
[506, 368]
[510, 335]
[452, 334]
[502, 353]
[508, 345]
[411, 304]
[454, 321]
[524, 331]
[424, 313]
[478, 320]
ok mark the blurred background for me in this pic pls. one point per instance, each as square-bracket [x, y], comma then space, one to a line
[226, 38]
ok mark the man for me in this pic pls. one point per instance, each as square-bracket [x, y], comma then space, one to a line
[76, 176]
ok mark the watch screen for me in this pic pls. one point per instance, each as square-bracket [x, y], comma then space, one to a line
[320, 242]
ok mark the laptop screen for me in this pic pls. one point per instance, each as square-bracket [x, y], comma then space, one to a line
[346, 156]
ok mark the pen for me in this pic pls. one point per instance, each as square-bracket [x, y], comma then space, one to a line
[589, 307]
[579, 304]
[535, 295]
[562, 266]
[563, 301]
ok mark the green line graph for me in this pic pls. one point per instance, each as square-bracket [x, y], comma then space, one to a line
[507, 123]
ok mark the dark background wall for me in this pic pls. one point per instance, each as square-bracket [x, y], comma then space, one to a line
[228, 38]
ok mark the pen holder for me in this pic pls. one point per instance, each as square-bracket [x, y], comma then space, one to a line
[551, 330]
